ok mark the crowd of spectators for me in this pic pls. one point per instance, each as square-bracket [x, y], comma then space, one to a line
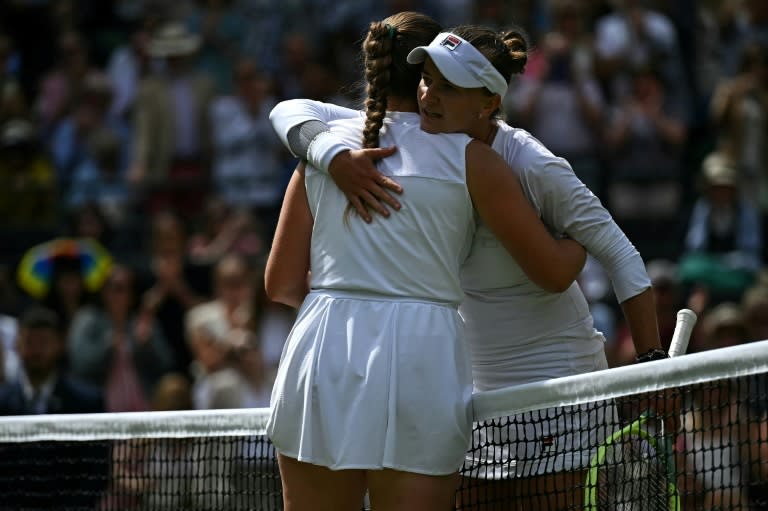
[143, 126]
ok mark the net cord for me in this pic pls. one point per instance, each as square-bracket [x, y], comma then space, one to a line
[722, 363]
[731, 362]
[130, 425]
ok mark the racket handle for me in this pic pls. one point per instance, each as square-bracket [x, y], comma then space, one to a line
[686, 320]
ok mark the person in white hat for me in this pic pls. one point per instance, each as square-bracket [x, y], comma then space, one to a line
[171, 124]
[374, 384]
[723, 240]
[509, 342]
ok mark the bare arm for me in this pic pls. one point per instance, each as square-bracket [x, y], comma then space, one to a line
[498, 197]
[285, 278]
[640, 314]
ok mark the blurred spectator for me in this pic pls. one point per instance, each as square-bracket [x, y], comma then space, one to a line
[172, 392]
[129, 63]
[230, 371]
[13, 103]
[24, 23]
[71, 142]
[43, 385]
[715, 51]
[12, 305]
[9, 359]
[226, 230]
[89, 221]
[171, 139]
[723, 244]
[454, 12]
[27, 181]
[247, 166]
[63, 85]
[119, 348]
[739, 111]
[175, 284]
[645, 136]
[266, 22]
[222, 27]
[296, 51]
[721, 326]
[636, 37]
[12, 302]
[560, 101]
[754, 304]
[100, 178]
[742, 22]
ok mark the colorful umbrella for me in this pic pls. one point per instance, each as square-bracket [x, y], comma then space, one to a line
[36, 269]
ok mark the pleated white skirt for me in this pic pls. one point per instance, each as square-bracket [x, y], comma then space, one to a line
[372, 383]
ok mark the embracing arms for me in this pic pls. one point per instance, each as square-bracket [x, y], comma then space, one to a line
[358, 178]
[498, 198]
[302, 125]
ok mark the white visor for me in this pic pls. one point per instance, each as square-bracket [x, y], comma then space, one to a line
[460, 63]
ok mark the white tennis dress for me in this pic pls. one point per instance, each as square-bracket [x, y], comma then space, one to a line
[517, 332]
[375, 372]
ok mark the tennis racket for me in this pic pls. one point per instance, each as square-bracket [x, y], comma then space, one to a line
[633, 469]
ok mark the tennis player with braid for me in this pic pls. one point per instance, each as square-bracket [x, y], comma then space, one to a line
[517, 331]
[374, 384]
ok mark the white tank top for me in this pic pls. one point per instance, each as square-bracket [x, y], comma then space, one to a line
[416, 253]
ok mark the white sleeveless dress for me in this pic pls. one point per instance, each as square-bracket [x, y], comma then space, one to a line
[375, 372]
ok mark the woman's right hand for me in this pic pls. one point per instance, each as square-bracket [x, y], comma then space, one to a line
[356, 175]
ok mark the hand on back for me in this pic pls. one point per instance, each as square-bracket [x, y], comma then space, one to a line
[356, 175]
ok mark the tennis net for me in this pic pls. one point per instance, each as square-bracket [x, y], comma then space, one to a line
[684, 433]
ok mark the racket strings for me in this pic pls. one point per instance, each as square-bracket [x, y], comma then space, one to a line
[633, 477]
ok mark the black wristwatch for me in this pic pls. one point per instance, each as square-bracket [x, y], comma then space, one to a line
[654, 354]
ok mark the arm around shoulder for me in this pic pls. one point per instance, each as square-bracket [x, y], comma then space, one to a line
[552, 264]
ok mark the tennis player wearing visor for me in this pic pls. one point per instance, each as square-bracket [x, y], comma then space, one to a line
[517, 331]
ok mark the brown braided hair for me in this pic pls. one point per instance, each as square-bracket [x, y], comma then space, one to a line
[386, 71]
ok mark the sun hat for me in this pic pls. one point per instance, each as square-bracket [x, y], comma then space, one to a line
[720, 170]
[662, 272]
[173, 40]
[16, 132]
[460, 63]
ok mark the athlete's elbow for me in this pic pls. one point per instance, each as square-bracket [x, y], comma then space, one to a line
[281, 291]
[279, 109]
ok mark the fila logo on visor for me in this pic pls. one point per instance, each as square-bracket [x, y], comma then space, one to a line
[451, 42]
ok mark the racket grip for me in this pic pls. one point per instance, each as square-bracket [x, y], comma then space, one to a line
[686, 320]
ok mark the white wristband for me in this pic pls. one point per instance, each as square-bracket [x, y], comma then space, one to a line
[323, 149]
